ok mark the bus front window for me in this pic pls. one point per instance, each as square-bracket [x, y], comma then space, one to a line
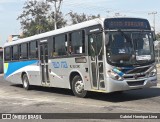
[143, 46]
[129, 48]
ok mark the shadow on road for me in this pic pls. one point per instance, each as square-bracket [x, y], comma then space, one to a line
[111, 97]
[127, 95]
[47, 89]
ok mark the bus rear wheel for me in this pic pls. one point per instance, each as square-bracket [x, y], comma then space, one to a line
[78, 87]
[25, 82]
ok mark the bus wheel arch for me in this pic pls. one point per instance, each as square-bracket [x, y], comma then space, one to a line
[25, 81]
[77, 85]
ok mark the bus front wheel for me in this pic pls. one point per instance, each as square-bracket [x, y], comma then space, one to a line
[25, 82]
[78, 87]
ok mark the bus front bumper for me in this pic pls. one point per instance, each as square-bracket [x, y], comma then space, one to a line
[129, 84]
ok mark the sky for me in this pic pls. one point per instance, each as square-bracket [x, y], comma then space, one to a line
[11, 9]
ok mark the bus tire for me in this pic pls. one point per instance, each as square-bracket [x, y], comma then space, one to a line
[25, 82]
[78, 87]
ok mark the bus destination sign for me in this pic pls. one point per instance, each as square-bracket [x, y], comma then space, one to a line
[127, 23]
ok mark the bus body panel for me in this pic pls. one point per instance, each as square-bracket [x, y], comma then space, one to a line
[61, 69]
[13, 71]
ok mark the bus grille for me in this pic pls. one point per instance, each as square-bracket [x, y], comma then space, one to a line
[136, 83]
[133, 76]
[138, 70]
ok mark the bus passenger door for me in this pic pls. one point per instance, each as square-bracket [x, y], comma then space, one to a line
[95, 48]
[44, 63]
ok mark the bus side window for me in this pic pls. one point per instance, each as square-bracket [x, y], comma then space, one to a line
[50, 47]
[7, 54]
[54, 53]
[77, 42]
[60, 46]
[33, 50]
[24, 51]
[15, 52]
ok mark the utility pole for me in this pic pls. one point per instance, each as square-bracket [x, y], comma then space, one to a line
[57, 6]
[154, 27]
[154, 19]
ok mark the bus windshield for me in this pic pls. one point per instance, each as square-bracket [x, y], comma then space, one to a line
[129, 48]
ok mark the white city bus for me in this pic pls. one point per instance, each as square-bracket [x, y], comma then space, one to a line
[103, 55]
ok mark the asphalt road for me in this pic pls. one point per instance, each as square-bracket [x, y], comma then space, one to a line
[14, 99]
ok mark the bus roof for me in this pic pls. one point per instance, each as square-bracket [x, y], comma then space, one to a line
[66, 29]
[58, 31]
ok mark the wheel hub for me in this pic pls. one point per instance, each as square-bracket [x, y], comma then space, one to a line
[79, 86]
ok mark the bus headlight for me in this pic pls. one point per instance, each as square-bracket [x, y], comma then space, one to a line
[114, 75]
[152, 73]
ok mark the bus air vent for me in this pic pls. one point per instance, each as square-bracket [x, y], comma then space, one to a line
[136, 83]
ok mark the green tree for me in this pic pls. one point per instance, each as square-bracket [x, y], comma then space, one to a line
[38, 17]
[45, 15]
[78, 18]
[32, 17]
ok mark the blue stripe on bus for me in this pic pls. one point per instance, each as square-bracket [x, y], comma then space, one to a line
[14, 66]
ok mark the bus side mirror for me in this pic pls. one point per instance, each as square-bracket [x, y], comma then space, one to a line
[154, 36]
